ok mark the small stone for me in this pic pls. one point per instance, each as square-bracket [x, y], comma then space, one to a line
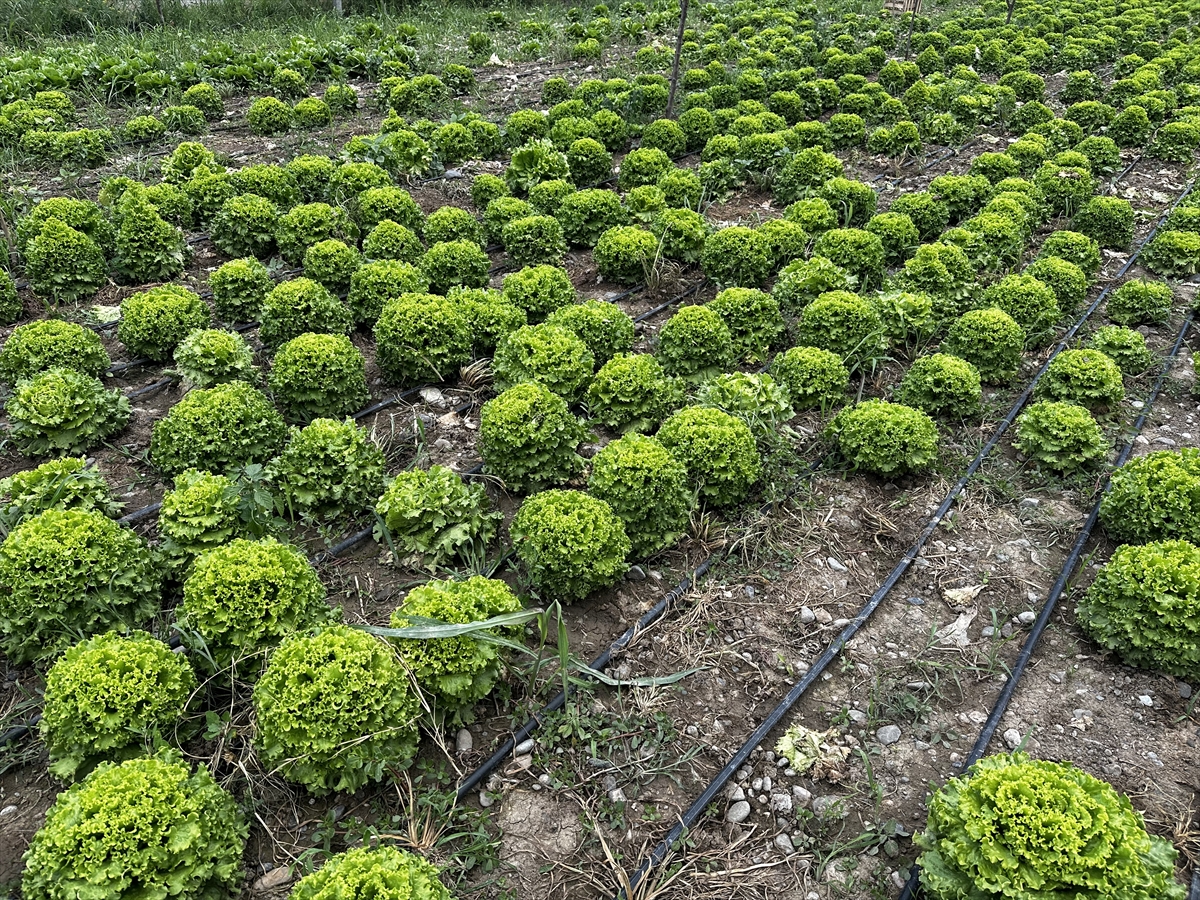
[891, 848]
[987, 631]
[433, 396]
[858, 717]
[1027, 618]
[636, 573]
[1007, 630]
[1012, 737]
[485, 799]
[7, 811]
[278, 877]
[756, 784]
[464, 742]
[897, 880]
[784, 843]
[616, 795]
[1185, 692]
[1112, 770]
[1027, 502]
[801, 796]
[738, 813]
[807, 616]
[888, 734]
[1146, 700]
[781, 803]
[916, 601]
[736, 793]
[524, 748]
[766, 783]
[442, 444]
[837, 565]
[824, 616]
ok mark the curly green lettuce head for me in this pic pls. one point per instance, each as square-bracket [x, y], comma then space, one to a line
[147, 827]
[1020, 828]
[1155, 497]
[245, 596]
[457, 671]
[382, 873]
[570, 543]
[108, 697]
[334, 710]
[329, 469]
[65, 573]
[435, 515]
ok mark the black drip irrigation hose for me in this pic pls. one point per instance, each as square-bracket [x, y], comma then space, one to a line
[692, 814]
[1057, 592]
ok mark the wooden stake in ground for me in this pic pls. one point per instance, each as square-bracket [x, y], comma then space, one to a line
[683, 11]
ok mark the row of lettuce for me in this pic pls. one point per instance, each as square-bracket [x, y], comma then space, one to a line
[336, 708]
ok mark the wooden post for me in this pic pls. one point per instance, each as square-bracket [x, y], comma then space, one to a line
[1011, 5]
[912, 20]
[683, 11]
[337, 7]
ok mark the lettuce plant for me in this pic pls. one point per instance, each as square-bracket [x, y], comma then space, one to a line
[436, 516]
[218, 429]
[153, 322]
[68, 483]
[373, 285]
[319, 375]
[64, 265]
[811, 377]
[109, 697]
[1015, 827]
[239, 288]
[382, 873]
[67, 573]
[334, 711]
[647, 488]
[1141, 302]
[695, 343]
[302, 306]
[204, 511]
[1155, 497]
[1124, 346]
[886, 439]
[210, 356]
[51, 343]
[149, 826]
[528, 438]
[941, 385]
[61, 411]
[389, 240]
[245, 596]
[802, 281]
[586, 215]
[845, 324]
[631, 392]
[1067, 280]
[1032, 305]
[328, 470]
[539, 290]
[1074, 247]
[332, 263]
[1060, 436]
[1086, 377]
[603, 327]
[457, 263]
[718, 451]
[544, 354]
[245, 226]
[754, 321]
[569, 543]
[421, 337]
[456, 672]
[736, 256]
[1144, 605]
[626, 254]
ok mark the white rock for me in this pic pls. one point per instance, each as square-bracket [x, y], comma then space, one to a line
[888, 734]
[738, 813]
[432, 396]
[801, 796]
[524, 748]
[1027, 618]
[784, 843]
[1012, 737]
[781, 803]
[464, 742]
[1146, 700]
[807, 616]
[7, 811]
[837, 565]
[485, 799]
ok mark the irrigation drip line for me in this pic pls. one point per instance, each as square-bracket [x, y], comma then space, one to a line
[1057, 592]
[692, 814]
